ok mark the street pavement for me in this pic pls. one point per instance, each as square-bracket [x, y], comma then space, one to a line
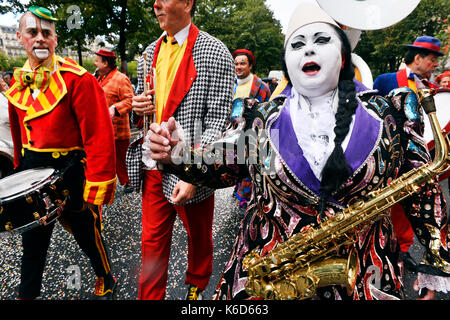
[68, 275]
[122, 233]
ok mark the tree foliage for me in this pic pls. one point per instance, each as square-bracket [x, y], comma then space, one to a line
[130, 25]
[13, 6]
[123, 23]
[244, 24]
[383, 50]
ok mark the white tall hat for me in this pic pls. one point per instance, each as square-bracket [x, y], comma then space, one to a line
[306, 12]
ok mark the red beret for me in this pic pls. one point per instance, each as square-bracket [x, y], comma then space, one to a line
[245, 51]
[445, 74]
[106, 53]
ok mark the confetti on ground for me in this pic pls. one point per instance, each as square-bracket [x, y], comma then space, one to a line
[122, 233]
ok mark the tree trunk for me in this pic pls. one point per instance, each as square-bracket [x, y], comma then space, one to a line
[80, 53]
[123, 38]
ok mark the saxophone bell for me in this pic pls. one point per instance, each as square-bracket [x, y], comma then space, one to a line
[303, 282]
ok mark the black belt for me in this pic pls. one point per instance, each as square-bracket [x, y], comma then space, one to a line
[56, 160]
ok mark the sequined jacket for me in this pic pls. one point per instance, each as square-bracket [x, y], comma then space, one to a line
[384, 144]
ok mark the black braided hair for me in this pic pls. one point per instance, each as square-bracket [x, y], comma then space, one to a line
[337, 169]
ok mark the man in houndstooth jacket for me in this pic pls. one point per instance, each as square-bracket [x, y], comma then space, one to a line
[194, 83]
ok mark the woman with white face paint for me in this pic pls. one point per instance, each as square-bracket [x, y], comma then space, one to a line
[322, 143]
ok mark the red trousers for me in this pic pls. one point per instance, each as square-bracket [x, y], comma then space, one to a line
[402, 227]
[158, 217]
[121, 154]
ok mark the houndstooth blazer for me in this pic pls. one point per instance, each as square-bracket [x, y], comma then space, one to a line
[205, 93]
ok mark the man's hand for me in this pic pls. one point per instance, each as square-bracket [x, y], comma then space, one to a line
[162, 141]
[143, 104]
[183, 192]
[112, 111]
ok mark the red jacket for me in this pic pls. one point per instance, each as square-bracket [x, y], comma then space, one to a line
[71, 114]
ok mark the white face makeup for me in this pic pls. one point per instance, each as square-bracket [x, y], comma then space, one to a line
[30, 22]
[38, 37]
[314, 59]
[44, 53]
[46, 25]
[41, 54]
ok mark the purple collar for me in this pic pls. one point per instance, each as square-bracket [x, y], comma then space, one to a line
[366, 127]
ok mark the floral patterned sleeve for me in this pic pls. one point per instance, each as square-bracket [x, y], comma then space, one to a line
[222, 163]
[427, 210]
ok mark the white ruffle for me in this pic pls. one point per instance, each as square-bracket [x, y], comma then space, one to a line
[314, 120]
[436, 283]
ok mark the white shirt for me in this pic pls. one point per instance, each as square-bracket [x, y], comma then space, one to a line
[245, 80]
[181, 35]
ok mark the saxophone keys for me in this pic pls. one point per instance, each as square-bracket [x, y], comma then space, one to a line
[358, 205]
[306, 286]
[287, 290]
[250, 259]
[269, 292]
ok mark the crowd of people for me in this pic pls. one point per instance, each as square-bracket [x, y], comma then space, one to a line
[312, 145]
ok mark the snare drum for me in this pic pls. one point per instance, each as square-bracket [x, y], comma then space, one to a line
[30, 198]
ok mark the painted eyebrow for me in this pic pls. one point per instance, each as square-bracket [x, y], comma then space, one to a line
[36, 29]
[315, 35]
[300, 37]
[321, 33]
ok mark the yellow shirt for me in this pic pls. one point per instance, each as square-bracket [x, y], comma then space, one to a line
[243, 90]
[169, 59]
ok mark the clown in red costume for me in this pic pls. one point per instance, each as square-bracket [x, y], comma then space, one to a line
[59, 118]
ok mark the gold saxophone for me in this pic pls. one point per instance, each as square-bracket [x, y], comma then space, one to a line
[307, 260]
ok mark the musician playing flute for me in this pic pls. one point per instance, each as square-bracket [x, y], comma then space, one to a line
[322, 144]
[194, 83]
[59, 118]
